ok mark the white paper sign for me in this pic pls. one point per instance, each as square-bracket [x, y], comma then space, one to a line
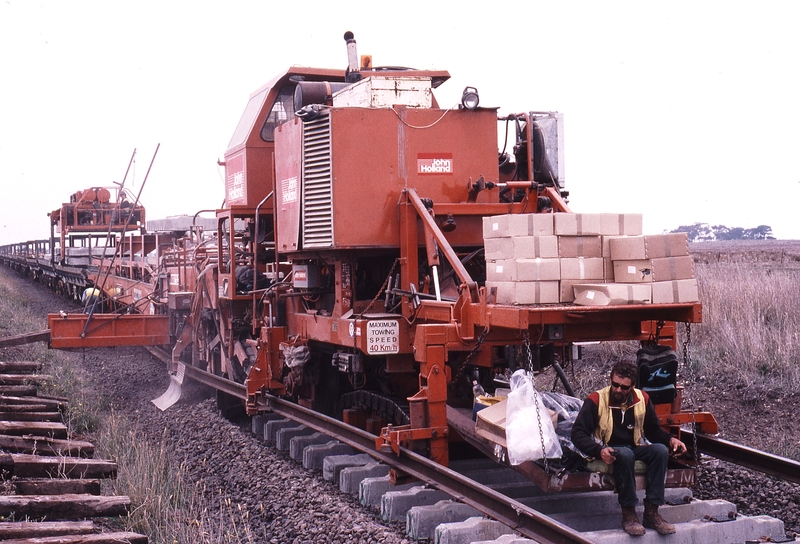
[383, 337]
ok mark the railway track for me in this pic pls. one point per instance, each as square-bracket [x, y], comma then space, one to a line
[52, 489]
[482, 491]
[484, 498]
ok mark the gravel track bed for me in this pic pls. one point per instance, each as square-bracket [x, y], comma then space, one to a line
[268, 497]
[273, 498]
[247, 487]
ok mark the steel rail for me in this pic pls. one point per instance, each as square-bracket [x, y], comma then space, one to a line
[212, 380]
[217, 382]
[761, 461]
[516, 515]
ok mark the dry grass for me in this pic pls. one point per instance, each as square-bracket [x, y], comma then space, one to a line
[745, 355]
[82, 417]
[751, 325]
[13, 303]
[165, 505]
[750, 334]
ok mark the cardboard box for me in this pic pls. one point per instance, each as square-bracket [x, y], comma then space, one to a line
[580, 246]
[631, 271]
[521, 247]
[582, 268]
[531, 247]
[567, 291]
[496, 249]
[501, 270]
[668, 292]
[606, 243]
[523, 292]
[516, 224]
[538, 269]
[495, 226]
[576, 224]
[650, 270]
[610, 294]
[627, 224]
[531, 224]
[608, 269]
[537, 292]
[490, 422]
[631, 248]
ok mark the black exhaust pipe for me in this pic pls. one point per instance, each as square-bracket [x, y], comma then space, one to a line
[352, 74]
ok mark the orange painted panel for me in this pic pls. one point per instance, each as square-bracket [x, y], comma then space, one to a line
[107, 330]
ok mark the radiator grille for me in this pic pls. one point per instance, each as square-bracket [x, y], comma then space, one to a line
[317, 183]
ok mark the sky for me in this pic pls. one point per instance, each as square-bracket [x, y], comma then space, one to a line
[686, 112]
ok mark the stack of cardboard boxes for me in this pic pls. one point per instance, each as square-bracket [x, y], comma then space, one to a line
[588, 259]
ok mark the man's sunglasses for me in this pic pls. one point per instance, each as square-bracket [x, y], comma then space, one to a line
[621, 387]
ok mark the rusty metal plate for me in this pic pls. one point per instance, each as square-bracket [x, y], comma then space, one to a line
[107, 330]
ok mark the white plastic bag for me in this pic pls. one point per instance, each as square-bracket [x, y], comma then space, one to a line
[524, 412]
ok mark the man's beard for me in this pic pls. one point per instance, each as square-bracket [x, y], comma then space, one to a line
[617, 397]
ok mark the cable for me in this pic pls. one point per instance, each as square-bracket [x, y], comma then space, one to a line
[406, 123]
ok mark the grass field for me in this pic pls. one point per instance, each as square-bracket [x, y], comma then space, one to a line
[745, 355]
[164, 503]
[751, 313]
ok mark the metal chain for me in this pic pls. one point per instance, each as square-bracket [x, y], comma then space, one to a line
[528, 354]
[687, 362]
[529, 370]
[659, 326]
[378, 294]
[473, 351]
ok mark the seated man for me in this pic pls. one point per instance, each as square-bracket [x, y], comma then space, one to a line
[91, 299]
[619, 425]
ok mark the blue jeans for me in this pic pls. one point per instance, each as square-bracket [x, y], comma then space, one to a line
[655, 456]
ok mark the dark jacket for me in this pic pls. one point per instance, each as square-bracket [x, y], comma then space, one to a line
[622, 435]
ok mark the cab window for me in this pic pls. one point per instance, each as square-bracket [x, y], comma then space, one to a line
[282, 110]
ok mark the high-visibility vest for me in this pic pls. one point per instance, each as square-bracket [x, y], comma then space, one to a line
[605, 423]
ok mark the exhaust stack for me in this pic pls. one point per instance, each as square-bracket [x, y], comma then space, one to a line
[352, 75]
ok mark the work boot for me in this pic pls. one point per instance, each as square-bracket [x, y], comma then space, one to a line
[630, 521]
[653, 520]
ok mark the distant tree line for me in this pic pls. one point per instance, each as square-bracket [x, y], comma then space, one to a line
[703, 232]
